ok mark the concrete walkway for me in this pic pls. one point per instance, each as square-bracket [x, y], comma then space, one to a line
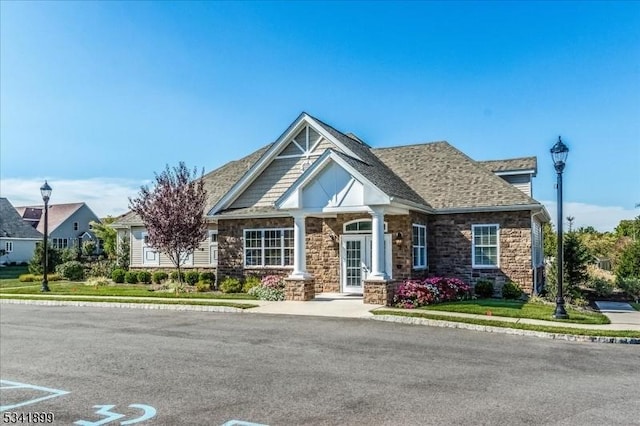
[323, 305]
[620, 314]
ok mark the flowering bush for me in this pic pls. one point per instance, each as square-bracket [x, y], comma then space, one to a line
[271, 288]
[415, 293]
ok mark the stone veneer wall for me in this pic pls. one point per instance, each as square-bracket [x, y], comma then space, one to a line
[230, 246]
[449, 247]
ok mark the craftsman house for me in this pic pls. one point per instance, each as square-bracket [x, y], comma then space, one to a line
[333, 214]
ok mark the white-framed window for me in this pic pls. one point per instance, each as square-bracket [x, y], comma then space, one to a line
[213, 247]
[485, 251]
[268, 247]
[60, 243]
[419, 246]
[76, 226]
[8, 246]
[536, 244]
[360, 226]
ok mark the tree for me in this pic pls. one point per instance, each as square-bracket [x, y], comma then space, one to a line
[629, 228]
[173, 213]
[107, 234]
[53, 260]
[576, 258]
[550, 240]
[629, 264]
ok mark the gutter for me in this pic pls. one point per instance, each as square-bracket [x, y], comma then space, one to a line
[517, 207]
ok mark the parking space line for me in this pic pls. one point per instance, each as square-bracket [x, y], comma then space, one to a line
[6, 384]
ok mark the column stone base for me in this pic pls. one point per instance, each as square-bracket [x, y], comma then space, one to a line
[300, 290]
[379, 292]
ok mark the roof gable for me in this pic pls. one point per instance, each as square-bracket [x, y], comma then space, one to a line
[332, 183]
[12, 225]
[528, 165]
[300, 140]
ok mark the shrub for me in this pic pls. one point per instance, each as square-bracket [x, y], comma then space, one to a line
[35, 264]
[118, 275]
[69, 254]
[144, 277]
[202, 286]
[511, 290]
[159, 277]
[267, 293]
[51, 277]
[177, 287]
[192, 277]
[27, 278]
[600, 286]
[72, 270]
[98, 282]
[131, 277]
[231, 285]
[484, 288]
[415, 293]
[175, 276]
[630, 286]
[250, 282]
[101, 268]
[629, 263]
[208, 277]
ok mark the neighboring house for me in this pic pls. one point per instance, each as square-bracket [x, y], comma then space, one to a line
[336, 215]
[17, 238]
[68, 224]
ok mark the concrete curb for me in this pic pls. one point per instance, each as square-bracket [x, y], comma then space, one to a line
[503, 330]
[135, 305]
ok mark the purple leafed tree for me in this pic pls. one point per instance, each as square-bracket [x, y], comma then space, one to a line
[173, 213]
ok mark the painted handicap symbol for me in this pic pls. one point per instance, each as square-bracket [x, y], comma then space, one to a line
[36, 394]
[241, 423]
[110, 416]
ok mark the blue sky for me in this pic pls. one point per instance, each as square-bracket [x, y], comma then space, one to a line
[97, 96]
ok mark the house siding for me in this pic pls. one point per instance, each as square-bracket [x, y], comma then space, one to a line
[522, 182]
[449, 239]
[83, 216]
[22, 250]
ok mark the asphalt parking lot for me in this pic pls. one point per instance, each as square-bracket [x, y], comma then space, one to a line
[94, 366]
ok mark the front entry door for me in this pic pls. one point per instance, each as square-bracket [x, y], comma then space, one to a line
[356, 260]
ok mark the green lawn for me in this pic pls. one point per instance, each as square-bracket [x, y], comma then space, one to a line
[636, 306]
[519, 326]
[125, 290]
[517, 309]
[197, 302]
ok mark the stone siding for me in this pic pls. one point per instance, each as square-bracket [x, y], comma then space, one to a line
[449, 247]
[299, 290]
[379, 292]
[230, 246]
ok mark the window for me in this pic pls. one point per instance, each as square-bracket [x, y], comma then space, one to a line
[361, 226]
[419, 246]
[8, 246]
[75, 226]
[60, 243]
[536, 231]
[486, 246]
[268, 247]
[213, 248]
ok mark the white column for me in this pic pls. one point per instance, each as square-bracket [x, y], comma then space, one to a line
[377, 242]
[299, 249]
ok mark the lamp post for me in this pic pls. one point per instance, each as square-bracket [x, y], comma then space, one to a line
[559, 154]
[45, 191]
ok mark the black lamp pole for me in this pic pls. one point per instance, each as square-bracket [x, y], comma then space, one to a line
[45, 190]
[559, 154]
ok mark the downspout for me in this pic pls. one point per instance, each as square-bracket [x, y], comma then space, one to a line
[533, 265]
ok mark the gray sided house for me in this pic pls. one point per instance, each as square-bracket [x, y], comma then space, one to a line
[332, 214]
[17, 238]
[68, 223]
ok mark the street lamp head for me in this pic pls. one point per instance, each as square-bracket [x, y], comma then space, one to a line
[45, 190]
[559, 154]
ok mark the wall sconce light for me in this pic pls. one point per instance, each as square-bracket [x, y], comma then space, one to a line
[334, 237]
[398, 240]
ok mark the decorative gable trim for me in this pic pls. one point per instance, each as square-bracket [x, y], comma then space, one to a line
[293, 197]
[271, 154]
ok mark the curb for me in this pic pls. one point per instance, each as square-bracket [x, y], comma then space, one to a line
[503, 330]
[157, 306]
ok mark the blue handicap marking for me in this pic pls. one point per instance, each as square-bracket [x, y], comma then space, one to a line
[110, 416]
[9, 385]
[242, 423]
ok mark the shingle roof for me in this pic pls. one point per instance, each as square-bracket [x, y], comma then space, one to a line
[512, 164]
[12, 225]
[217, 183]
[446, 178]
[373, 168]
[58, 213]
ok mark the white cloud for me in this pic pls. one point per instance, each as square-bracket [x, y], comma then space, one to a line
[105, 196]
[602, 218]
